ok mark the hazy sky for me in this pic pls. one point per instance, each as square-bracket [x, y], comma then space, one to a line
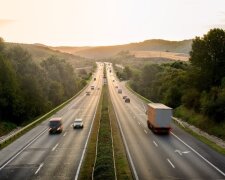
[107, 22]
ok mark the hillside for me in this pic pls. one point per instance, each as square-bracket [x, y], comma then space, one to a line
[41, 52]
[181, 47]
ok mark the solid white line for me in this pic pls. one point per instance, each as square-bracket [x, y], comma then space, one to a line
[171, 163]
[53, 149]
[145, 131]
[126, 146]
[155, 143]
[10, 160]
[64, 134]
[221, 172]
[85, 146]
[39, 168]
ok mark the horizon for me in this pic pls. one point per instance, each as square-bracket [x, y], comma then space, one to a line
[107, 23]
[97, 45]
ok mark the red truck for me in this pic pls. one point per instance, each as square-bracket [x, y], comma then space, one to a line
[159, 118]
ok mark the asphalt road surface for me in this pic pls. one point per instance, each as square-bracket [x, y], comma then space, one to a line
[39, 155]
[174, 156]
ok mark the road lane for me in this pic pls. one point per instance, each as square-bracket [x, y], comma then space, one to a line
[55, 156]
[160, 157]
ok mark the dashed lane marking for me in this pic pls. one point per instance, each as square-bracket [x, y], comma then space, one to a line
[39, 168]
[53, 149]
[171, 163]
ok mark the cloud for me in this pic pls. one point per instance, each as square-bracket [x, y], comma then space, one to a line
[4, 22]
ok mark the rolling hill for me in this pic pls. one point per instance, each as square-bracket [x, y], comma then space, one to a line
[181, 47]
[41, 52]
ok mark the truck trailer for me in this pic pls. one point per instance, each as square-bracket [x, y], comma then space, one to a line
[159, 118]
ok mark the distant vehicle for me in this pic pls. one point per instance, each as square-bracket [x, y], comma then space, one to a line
[113, 80]
[110, 71]
[92, 87]
[78, 123]
[124, 97]
[116, 86]
[120, 91]
[55, 125]
[127, 100]
[88, 93]
[159, 118]
[94, 79]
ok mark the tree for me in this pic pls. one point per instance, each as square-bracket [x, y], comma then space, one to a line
[208, 57]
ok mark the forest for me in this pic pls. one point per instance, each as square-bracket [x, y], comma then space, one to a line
[195, 89]
[29, 89]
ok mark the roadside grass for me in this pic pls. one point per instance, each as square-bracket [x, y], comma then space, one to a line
[204, 124]
[121, 162]
[200, 121]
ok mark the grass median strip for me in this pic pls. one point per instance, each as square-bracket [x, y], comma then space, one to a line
[103, 166]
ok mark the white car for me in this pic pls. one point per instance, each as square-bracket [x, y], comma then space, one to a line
[78, 123]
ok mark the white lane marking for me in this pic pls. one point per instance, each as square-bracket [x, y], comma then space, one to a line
[64, 134]
[85, 146]
[171, 163]
[10, 160]
[145, 131]
[126, 146]
[221, 172]
[53, 149]
[178, 151]
[155, 143]
[39, 168]
[139, 123]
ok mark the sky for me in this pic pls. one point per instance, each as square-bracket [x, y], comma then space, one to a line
[107, 22]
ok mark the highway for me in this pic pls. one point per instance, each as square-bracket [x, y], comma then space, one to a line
[174, 156]
[38, 155]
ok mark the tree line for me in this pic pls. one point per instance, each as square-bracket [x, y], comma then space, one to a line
[198, 85]
[28, 89]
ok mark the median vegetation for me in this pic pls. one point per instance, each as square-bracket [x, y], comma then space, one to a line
[105, 157]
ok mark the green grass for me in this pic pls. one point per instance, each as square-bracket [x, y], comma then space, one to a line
[104, 166]
[105, 161]
[200, 121]
[204, 124]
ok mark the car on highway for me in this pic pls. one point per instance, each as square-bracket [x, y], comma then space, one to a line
[88, 93]
[92, 87]
[119, 91]
[55, 125]
[124, 97]
[78, 123]
[127, 100]
[116, 86]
